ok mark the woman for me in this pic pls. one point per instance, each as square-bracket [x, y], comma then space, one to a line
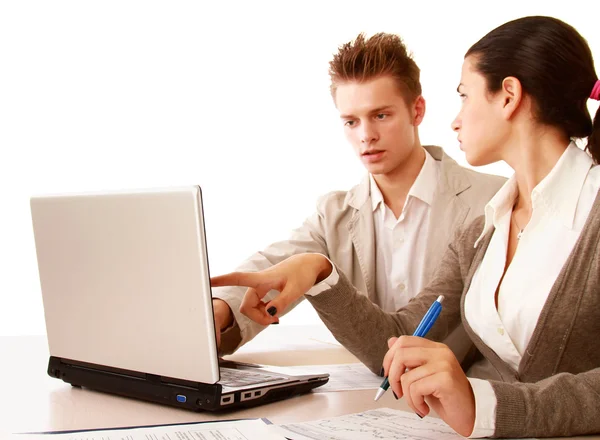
[524, 279]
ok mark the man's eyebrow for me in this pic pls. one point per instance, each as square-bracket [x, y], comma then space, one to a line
[374, 111]
[382, 108]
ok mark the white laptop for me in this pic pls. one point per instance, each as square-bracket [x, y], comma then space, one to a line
[127, 300]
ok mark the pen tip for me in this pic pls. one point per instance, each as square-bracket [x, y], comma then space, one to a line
[440, 299]
[380, 392]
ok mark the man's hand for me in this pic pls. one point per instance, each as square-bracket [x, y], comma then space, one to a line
[292, 277]
[223, 317]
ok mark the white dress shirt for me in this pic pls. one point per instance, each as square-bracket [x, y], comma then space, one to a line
[401, 242]
[561, 203]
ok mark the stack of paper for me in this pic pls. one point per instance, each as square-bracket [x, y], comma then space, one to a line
[237, 430]
[376, 424]
[343, 377]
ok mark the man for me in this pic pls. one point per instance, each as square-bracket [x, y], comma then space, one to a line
[389, 232]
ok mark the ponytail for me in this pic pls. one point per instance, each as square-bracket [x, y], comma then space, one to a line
[593, 142]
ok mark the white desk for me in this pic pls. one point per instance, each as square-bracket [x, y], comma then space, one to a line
[31, 401]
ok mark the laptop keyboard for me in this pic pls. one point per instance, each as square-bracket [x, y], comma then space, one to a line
[232, 377]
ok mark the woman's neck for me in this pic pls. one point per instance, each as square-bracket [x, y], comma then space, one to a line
[533, 155]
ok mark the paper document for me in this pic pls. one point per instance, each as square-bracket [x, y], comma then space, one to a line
[376, 424]
[238, 430]
[343, 377]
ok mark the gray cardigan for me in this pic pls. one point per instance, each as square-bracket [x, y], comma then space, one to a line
[556, 390]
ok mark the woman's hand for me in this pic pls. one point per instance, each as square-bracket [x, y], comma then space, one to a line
[293, 277]
[434, 380]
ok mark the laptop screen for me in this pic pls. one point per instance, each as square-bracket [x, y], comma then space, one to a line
[125, 281]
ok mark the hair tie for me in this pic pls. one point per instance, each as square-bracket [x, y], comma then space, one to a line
[596, 91]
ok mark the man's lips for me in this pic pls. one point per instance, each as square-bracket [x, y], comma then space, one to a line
[372, 155]
[371, 152]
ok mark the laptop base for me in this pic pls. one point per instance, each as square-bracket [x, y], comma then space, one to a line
[182, 394]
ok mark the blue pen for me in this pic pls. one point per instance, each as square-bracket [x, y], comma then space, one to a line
[422, 329]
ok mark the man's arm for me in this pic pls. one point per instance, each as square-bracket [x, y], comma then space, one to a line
[237, 329]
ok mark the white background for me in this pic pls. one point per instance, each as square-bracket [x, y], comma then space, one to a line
[234, 96]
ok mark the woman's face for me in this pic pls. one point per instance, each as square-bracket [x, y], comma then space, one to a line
[481, 126]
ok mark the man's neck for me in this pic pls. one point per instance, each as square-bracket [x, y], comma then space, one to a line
[395, 185]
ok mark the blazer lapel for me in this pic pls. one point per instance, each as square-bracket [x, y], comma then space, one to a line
[362, 233]
[448, 211]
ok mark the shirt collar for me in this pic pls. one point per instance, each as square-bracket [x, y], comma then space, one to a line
[376, 196]
[557, 193]
[502, 202]
[422, 188]
[424, 185]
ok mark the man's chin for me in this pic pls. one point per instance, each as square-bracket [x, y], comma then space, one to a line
[377, 169]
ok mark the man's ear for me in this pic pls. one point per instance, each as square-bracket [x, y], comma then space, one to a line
[418, 110]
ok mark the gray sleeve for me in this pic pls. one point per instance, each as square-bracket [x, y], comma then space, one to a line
[561, 405]
[363, 328]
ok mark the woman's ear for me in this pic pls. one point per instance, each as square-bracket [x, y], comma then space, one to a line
[511, 95]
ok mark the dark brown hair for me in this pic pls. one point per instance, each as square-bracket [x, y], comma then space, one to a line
[367, 59]
[555, 66]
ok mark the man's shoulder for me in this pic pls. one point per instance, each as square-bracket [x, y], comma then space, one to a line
[479, 179]
[479, 188]
[334, 201]
[336, 197]
[478, 175]
[338, 201]
[468, 180]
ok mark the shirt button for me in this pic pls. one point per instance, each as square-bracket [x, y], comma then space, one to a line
[401, 287]
[501, 331]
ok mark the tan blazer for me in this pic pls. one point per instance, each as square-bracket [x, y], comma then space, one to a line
[344, 230]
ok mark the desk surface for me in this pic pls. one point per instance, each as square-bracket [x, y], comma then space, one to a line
[31, 401]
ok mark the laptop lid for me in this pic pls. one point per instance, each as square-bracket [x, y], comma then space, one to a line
[125, 281]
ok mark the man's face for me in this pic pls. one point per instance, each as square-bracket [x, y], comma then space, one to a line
[378, 123]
